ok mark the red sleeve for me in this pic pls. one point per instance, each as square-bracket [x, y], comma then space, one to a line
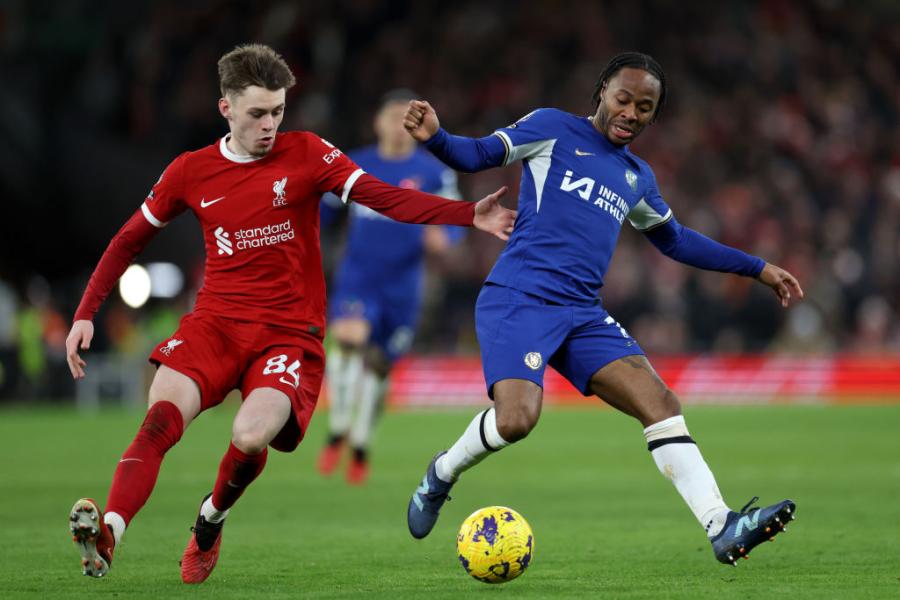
[410, 206]
[166, 199]
[331, 169]
[334, 172]
[126, 244]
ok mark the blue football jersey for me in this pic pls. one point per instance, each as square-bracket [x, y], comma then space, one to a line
[577, 189]
[384, 251]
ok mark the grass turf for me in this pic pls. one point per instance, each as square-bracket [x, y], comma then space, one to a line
[606, 523]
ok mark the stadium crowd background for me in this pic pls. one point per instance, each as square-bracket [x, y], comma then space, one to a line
[781, 137]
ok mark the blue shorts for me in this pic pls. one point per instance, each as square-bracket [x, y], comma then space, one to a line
[520, 334]
[393, 319]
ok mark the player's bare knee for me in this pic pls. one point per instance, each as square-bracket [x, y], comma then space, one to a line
[249, 441]
[515, 425]
[248, 436]
[667, 406]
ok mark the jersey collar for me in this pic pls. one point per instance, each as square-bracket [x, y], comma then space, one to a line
[223, 148]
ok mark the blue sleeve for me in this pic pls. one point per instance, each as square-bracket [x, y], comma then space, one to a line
[692, 248]
[651, 210]
[329, 210]
[532, 136]
[467, 154]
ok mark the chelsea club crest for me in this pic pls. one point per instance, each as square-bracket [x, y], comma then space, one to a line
[534, 360]
[631, 178]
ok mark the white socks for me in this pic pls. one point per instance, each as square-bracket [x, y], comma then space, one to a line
[679, 460]
[675, 453]
[211, 513]
[115, 522]
[480, 439]
[344, 370]
[371, 397]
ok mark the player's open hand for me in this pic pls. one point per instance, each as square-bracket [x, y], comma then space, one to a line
[783, 283]
[420, 120]
[79, 338]
[493, 218]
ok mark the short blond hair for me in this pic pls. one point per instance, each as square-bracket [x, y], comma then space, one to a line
[253, 64]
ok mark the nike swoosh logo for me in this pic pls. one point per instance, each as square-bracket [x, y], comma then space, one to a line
[204, 203]
[422, 489]
[232, 484]
[131, 459]
[580, 153]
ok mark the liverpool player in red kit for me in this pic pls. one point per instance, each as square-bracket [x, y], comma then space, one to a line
[259, 319]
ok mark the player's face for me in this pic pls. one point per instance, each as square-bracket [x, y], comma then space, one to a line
[389, 126]
[627, 104]
[253, 117]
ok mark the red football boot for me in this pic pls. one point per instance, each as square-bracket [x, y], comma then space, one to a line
[202, 552]
[92, 536]
[357, 471]
[330, 457]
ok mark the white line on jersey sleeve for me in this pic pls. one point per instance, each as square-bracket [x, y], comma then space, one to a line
[153, 220]
[507, 145]
[539, 163]
[643, 216]
[348, 185]
[530, 150]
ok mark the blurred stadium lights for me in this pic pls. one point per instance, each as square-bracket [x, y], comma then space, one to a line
[134, 286]
[166, 279]
[156, 280]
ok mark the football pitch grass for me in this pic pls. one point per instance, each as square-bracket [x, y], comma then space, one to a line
[606, 523]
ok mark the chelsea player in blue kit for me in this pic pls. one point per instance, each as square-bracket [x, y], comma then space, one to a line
[374, 303]
[540, 305]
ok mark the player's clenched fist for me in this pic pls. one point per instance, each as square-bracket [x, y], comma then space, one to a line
[421, 120]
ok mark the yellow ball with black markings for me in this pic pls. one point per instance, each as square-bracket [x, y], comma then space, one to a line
[495, 544]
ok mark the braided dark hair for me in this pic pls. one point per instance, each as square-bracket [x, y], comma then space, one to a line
[635, 60]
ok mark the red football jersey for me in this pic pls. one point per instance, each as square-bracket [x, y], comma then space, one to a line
[260, 221]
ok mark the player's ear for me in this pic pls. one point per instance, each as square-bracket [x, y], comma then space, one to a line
[225, 108]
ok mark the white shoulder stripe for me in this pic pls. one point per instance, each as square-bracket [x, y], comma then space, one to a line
[540, 154]
[149, 216]
[507, 143]
[348, 185]
[644, 217]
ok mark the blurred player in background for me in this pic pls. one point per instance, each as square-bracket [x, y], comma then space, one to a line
[374, 302]
[540, 303]
[259, 319]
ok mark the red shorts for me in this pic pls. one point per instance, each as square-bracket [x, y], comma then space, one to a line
[222, 354]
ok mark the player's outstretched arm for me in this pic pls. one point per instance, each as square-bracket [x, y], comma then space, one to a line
[122, 249]
[80, 337]
[782, 283]
[692, 248]
[462, 153]
[413, 206]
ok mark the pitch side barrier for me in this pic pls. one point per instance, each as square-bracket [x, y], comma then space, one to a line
[697, 379]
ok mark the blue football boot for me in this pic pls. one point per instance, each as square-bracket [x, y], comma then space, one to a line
[426, 501]
[745, 530]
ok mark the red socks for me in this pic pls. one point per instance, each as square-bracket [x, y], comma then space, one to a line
[136, 474]
[137, 471]
[236, 471]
